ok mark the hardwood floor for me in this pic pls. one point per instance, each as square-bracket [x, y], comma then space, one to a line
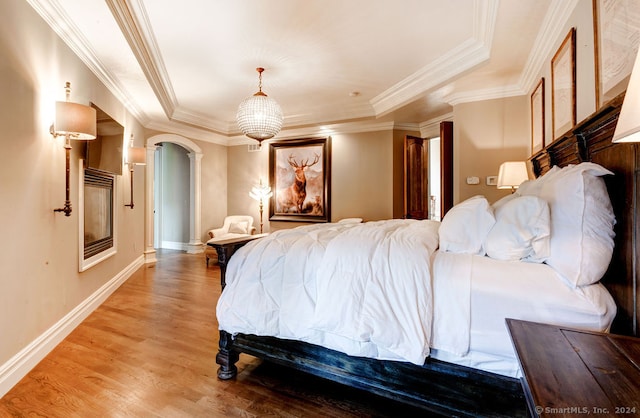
[149, 351]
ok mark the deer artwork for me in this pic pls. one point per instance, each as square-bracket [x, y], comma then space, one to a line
[294, 195]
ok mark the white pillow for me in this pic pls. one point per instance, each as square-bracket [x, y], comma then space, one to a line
[350, 221]
[466, 225]
[582, 222]
[533, 187]
[239, 227]
[502, 201]
[521, 231]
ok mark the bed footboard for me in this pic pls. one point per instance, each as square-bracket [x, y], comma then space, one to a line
[437, 386]
[227, 357]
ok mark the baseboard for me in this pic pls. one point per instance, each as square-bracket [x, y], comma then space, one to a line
[19, 365]
[173, 245]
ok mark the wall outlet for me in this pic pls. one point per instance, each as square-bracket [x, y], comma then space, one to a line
[473, 180]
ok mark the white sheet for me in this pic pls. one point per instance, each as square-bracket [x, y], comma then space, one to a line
[452, 302]
[528, 291]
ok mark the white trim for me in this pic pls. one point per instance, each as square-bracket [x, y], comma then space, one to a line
[467, 55]
[195, 245]
[19, 365]
[174, 245]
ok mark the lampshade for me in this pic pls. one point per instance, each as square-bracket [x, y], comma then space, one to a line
[76, 120]
[259, 117]
[260, 192]
[137, 155]
[512, 174]
[628, 127]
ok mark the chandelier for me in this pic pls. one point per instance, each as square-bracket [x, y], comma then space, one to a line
[259, 117]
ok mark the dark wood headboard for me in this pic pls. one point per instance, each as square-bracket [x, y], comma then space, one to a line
[591, 141]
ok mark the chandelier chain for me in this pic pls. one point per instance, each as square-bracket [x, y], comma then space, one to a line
[260, 70]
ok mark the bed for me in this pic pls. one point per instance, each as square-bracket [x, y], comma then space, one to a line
[432, 331]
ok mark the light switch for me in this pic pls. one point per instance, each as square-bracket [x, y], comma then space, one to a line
[492, 180]
[473, 180]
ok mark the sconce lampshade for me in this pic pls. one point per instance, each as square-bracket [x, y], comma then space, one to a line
[512, 174]
[628, 126]
[76, 120]
[137, 155]
[259, 117]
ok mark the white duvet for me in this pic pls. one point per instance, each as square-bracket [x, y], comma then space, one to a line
[363, 289]
[381, 290]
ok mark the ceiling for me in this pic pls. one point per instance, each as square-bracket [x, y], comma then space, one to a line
[183, 67]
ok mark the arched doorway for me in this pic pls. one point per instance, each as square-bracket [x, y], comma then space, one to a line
[195, 158]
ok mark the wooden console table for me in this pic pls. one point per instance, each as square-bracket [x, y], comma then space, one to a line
[225, 249]
[568, 372]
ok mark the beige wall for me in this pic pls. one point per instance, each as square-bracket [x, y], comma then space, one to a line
[244, 170]
[362, 179]
[362, 176]
[485, 135]
[39, 279]
[214, 186]
[489, 132]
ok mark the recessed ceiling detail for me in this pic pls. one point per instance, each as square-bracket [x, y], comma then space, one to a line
[184, 69]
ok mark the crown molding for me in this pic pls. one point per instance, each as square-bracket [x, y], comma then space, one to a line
[132, 18]
[428, 126]
[555, 20]
[485, 94]
[470, 53]
[486, 13]
[406, 127]
[189, 131]
[354, 111]
[466, 56]
[51, 12]
[200, 120]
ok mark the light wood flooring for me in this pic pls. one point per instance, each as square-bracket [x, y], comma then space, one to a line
[149, 351]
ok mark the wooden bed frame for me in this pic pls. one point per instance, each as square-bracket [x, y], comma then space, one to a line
[450, 389]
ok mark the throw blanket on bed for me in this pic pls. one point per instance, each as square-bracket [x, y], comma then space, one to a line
[363, 289]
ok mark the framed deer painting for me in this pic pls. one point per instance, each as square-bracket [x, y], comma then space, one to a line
[300, 177]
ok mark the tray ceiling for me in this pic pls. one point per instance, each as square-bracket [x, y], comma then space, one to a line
[183, 67]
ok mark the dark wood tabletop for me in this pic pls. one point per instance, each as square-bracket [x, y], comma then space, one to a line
[225, 249]
[568, 372]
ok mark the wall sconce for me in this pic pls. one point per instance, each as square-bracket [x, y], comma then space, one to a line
[135, 156]
[260, 193]
[73, 121]
[512, 174]
[628, 125]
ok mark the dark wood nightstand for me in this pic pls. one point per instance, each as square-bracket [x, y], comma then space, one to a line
[569, 372]
[226, 248]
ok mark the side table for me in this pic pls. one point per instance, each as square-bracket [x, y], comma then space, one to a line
[569, 372]
[226, 248]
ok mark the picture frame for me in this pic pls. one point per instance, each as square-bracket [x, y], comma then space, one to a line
[616, 31]
[537, 117]
[300, 177]
[563, 86]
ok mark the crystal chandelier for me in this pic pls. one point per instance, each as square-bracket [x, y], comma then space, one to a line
[259, 117]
